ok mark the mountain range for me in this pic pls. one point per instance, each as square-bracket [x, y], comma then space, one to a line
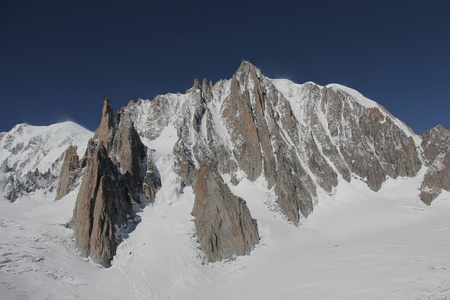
[204, 150]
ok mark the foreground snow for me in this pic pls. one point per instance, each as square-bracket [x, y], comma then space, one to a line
[357, 244]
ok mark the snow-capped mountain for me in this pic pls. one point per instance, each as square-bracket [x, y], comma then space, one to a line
[31, 156]
[307, 179]
[301, 138]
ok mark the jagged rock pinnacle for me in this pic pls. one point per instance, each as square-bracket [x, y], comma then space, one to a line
[70, 172]
[224, 225]
[117, 174]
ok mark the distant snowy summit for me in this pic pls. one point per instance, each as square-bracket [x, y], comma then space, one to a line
[31, 156]
[301, 140]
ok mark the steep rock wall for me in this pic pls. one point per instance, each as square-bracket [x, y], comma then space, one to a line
[225, 227]
[436, 153]
[116, 177]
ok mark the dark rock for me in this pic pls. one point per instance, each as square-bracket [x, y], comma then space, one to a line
[14, 187]
[435, 142]
[101, 204]
[224, 225]
[39, 180]
[184, 162]
[118, 174]
[106, 131]
[152, 180]
[436, 153]
[299, 145]
[70, 172]
[130, 156]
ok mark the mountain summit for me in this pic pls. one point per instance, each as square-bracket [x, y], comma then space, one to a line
[299, 140]
[302, 139]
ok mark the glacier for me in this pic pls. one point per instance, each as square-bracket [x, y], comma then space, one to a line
[362, 235]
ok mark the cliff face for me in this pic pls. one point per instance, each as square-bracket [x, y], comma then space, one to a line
[436, 152]
[101, 204]
[112, 182]
[70, 172]
[224, 225]
[300, 138]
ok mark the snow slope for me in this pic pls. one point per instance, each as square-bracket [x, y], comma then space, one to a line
[38, 149]
[29, 147]
[294, 92]
[357, 244]
[38, 259]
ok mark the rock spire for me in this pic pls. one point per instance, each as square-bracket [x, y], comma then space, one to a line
[114, 180]
[225, 227]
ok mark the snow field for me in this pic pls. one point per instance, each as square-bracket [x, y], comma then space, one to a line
[357, 244]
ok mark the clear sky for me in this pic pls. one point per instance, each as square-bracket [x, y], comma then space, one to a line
[60, 59]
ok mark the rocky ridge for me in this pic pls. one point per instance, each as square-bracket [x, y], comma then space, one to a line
[436, 153]
[301, 138]
[31, 157]
[70, 172]
[225, 227]
[112, 184]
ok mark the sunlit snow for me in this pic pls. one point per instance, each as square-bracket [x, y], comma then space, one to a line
[357, 244]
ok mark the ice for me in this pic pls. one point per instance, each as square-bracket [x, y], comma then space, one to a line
[356, 244]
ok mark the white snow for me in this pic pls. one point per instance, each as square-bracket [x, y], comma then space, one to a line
[357, 244]
[26, 148]
[354, 93]
[39, 146]
[291, 90]
[295, 93]
[38, 259]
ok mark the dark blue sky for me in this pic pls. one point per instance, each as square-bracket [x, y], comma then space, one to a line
[60, 59]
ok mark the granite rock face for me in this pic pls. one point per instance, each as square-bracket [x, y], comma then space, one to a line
[102, 203]
[435, 142]
[300, 138]
[436, 153]
[115, 178]
[70, 172]
[224, 225]
[371, 142]
[130, 155]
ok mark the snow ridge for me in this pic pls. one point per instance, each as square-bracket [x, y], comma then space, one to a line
[31, 156]
[356, 162]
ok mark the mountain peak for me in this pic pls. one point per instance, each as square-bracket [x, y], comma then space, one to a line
[247, 67]
[439, 128]
[107, 126]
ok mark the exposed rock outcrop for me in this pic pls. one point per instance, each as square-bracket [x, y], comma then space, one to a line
[152, 179]
[102, 204]
[224, 225]
[31, 157]
[107, 129]
[436, 153]
[36, 180]
[115, 178]
[435, 142]
[130, 155]
[70, 172]
[300, 138]
[13, 187]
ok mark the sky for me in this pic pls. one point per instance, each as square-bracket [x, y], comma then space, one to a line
[60, 59]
